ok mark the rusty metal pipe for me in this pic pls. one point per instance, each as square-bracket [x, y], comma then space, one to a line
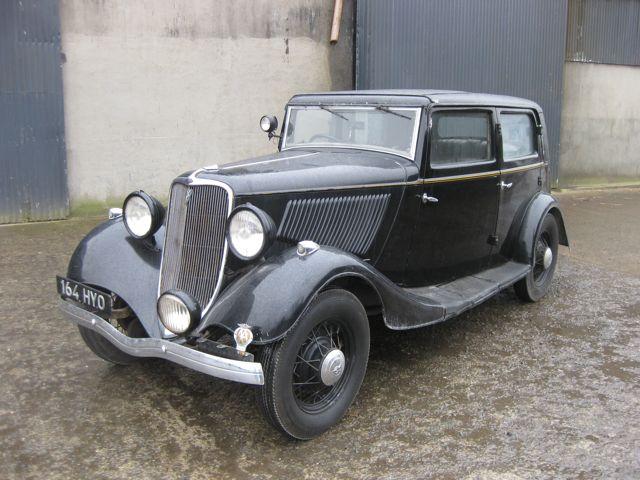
[335, 26]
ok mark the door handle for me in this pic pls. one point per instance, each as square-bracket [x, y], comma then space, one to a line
[505, 186]
[427, 199]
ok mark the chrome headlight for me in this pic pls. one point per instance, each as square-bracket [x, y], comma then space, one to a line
[178, 312]
[249, 232]
[143, 214]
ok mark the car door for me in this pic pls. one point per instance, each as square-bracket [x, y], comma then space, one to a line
[457, 218]
[521, 159]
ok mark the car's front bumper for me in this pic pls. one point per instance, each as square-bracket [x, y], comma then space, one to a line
[235, 370]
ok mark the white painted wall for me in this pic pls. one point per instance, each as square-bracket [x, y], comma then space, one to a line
[600, 134]
[155, 88]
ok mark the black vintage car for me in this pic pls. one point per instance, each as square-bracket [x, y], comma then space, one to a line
[405, 206]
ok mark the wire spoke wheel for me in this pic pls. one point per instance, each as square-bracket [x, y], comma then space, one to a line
[326, 349]
[313, 374]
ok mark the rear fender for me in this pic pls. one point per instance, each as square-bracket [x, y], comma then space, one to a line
[542, 204]
[272, 296]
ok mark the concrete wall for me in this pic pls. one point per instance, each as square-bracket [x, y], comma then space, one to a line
[153, 88]
[600, 133]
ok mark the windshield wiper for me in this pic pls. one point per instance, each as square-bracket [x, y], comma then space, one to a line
[386, 109]
[322, 107]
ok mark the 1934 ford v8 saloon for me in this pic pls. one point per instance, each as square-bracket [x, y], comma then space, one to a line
[409, 206]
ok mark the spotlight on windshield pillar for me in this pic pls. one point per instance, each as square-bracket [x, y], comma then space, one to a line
[268, 124]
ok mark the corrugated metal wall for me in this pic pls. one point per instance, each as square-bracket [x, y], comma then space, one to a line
[513, 47]
[604, 31]
[33, 184]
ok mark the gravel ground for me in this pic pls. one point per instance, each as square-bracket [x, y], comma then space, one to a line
[507, 390]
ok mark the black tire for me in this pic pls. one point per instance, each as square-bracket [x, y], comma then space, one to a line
[304, 409]
[104, 349]
[536, 284]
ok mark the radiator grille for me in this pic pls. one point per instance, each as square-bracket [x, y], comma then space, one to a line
[349, 222]
[195, 246]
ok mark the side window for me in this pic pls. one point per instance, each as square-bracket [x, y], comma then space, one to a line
[460, 138]
[518, 135]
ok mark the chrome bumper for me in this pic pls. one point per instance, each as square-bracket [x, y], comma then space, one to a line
[235, 370]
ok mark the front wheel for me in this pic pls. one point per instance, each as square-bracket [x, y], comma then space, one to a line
[314, 373]
[545, 257]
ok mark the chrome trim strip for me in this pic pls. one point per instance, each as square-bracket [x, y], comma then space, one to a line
[311, 146]
[468, 176]
[234, 370]
[522, 168]
[264, 162]
[492, 173]
[480, 163]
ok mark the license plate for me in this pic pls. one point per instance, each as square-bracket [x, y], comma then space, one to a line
[93, 299]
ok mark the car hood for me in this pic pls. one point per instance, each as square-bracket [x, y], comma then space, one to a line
[303, 170]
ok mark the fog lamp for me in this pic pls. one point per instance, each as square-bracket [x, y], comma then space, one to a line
[243, 337]
[178, 312]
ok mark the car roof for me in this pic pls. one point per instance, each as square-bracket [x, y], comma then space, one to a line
[411, 97]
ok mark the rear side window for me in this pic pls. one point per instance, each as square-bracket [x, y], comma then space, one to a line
[459, 138]
[518, 135]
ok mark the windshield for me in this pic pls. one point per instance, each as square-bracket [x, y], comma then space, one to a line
[379, 128]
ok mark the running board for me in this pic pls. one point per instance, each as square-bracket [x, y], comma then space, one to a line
[467, 292]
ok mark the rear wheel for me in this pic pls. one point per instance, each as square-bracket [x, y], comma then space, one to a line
[545, 257]
[313, 374]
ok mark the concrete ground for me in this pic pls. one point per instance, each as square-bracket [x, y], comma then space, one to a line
[508, 390]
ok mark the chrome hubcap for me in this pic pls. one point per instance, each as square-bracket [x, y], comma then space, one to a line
[321, 369]
[547, 259]
[332, 367]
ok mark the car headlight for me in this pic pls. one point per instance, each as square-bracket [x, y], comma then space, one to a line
[178, 312]
[249, 232]
[143, 214]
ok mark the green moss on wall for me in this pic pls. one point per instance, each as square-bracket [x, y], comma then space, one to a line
[99, 208]
[598, 182]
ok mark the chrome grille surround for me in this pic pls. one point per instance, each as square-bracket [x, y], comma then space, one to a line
[195, 244]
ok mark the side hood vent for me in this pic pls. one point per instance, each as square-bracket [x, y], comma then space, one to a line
[346, 222]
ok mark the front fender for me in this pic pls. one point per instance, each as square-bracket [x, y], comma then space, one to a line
[273, 295]
[538, 208]
[110, 258]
